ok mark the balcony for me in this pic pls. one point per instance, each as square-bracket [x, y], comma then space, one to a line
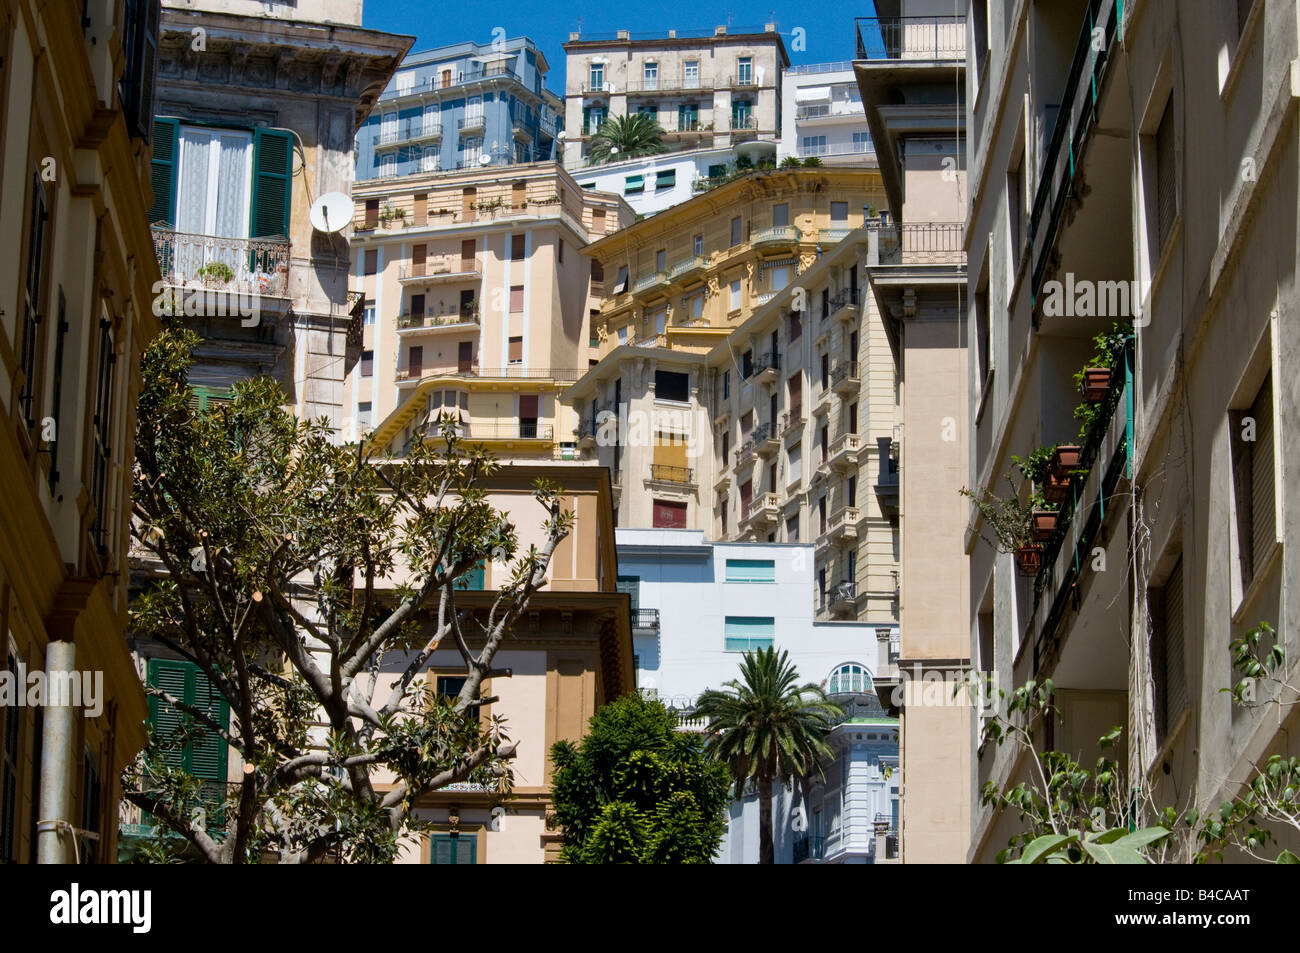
[521, 131]
[845, 379]
[809, 848]
[843, 454]
[650, 282]
[666, 85]
[775, 238]
[766, 440]
[687, 268]
[842, 527]
[921, 243]
[886, 485]
[832, 236]
[793, 419]
[763, 367]
[664, 473]
[841, 600]
[436, 83]
[646, 620]
[444, 271]
[745, 455]
[1071, 132]
[416, 129]
[1105, 464]
[834, 149]
[509, 430]
[431, 321]
[924, 39]
[886, 842]
[764, 511]
[844, 304]
[208, 263]
[597, 89]
[470, 124]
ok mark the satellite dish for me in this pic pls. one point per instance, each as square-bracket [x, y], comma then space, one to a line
[484, 160]
[331, 212]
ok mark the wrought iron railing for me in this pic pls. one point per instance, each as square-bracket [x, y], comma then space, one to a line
[922, 243]
[414, 129]
[844, 371]
[250, 266]
[645, 618]
[436, 82]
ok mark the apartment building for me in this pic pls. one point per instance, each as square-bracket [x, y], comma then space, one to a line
[910, 66]
[1151, 158]
[706, 89]
[477, 304]
[697, 606]
[675, 288]
[76, 298]
[652, 183]
[571, 655]
[250, 129]
[459, 107]
[822, 116]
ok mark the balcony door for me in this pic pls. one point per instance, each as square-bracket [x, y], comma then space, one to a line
[213, 189]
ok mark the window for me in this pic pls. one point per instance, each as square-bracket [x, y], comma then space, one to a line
[1252, 477]
[622, 334]
[453, 849]
[795, 468]
[516, 299]
[471, 149]
[741, 114]
[814, 145]
[369, 313]
[559, 252]
[781, 215]
[745, 71]
[650, 74]
[474, 110]
[697, 306]
[596, 75]
[634, 184]
[516, 350]
[33, 301]
[102, 431]
[620, 283]
[735, 231]
[387, 166]
[1243, 13]
[661, 259]
[688, 117]
[665, 178]
[840, 213]
[780, 277]
[1015, 215]
[744, 633]
[751, 570]
[792, 529]
[726, 385]
[1169, 677]
[670, 462]
[981, 301]
[660, 319]
[669, 514]
[371, 264]
[697, 245]
[10, 717]
[726, 448]
[365, 416]
[415, 361]
[516, 247]
[796, 326]
[204, 755]
[430, 159]
[862, 142]
[735, 295]
[136, 87]
[672, 385]
[1166, 177]
[691, 74]
[851, 494]
[372, 212]
[367, 363]
[851, 678]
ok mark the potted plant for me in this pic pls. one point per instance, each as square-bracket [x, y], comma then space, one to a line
[216, 273]
[1029, 559]
[1043, 518]
[1094, 380]
[1012, 524]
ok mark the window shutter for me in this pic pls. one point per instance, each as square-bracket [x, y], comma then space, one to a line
[208, 755]
[169, 676]
[1175, 672]
[163, 172]
[1166, 171]
[441, 852]
[515, 352]
[1263, 523]
[272, 183]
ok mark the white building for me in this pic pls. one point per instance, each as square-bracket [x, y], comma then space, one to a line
[653, 183]
[697, 606]
[822, 115]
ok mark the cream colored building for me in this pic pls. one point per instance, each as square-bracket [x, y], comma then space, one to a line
[1151, 159]
[76, 300]
[710, 90]
[910, 62]
[477, 300]
[676, 287]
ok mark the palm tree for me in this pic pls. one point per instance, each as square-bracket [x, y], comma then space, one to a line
[766, 727]
[627, 137]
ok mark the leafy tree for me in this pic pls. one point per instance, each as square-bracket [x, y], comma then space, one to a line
[287, 566]
[627, 137]
[637, 791]
[766, 728]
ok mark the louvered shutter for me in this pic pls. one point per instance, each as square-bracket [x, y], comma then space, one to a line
[465, 847]
[171, 677]
[1175, 674]
[208, 754]
[272, 183]
[1263, 523]
[162, 172]
[1166, 176]
[441, 851]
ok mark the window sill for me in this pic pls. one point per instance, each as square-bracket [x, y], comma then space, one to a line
[1166, 749]
[1265, 572]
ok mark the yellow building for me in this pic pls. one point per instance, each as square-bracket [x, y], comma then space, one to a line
[678, 286]
[478, 301]
[76, 312]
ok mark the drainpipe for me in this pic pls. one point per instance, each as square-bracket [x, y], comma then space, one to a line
[54, 828]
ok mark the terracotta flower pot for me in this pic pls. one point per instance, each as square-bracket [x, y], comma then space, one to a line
[1055, 487]
[1029, 559]
[1096, 384]
[1066, 457]
[1044, 524]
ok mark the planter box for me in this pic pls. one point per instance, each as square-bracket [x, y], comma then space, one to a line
[1066, 457]
[1096, 384]
[1044, 525]
[1029, 559]
[1055, 487]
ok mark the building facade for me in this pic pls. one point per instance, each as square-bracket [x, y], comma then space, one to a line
[1093, 174]
[697, 606]
[460, 107]
[249, 130]
[478, 301]
[822, 116]
[909, 65]
[650, 184]
[707, 90]
[76, 312]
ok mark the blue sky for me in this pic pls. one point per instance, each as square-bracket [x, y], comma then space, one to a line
[826, 37]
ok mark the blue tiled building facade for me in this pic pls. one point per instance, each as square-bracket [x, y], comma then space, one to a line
[462, 106]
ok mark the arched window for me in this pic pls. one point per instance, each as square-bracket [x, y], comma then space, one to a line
[851, 678]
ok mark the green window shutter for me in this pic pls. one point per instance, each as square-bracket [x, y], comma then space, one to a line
[751, 570]
[473, 579]
[666, 179]
[272, 183]
[632, 586]
[171, 677]
[744, 632]
[166, 145]
[206, 757]
[453, 849]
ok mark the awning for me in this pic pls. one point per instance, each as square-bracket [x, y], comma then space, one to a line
[812, 94]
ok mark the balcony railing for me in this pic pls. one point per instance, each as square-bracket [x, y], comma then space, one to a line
[776, 235]
[508, 430]
[792, 418]
[845, 375]
[436, 82]
[922, 243]
[671, 474]
[763, 362]
[414, 129]
[845, 298]
[1105, 460]
[840, 597]
[451, 268]
[1074, 121]
[430, 319]
[686, 266]
[645, 618]
[911, 38]
[834, 149]
[135, 821]
[514, 372]
[653, 280]
[809, 847]
[248, 266]
[470, 122]
[666, 85]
